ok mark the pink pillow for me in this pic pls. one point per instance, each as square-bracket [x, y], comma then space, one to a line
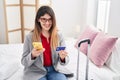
[113, 61]
[101, 48]
[90, 32]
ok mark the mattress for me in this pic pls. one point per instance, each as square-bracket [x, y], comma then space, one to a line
[18, 75]
[95, 73]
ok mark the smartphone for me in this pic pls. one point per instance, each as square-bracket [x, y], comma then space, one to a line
[60, 48]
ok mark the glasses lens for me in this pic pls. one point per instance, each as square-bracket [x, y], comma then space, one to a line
[44, 20]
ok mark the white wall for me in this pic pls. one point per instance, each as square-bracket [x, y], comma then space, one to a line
[114, 18]
[89, 13]
[2, 24]
[68, 16]
[74, 15]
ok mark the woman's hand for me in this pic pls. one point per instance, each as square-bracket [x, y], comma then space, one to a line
[62, 54]
[36, 53]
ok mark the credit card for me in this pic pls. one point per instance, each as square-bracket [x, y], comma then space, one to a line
[60, 48]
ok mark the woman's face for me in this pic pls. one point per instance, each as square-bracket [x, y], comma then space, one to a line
[46, 22]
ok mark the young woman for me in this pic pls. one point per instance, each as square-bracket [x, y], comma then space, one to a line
[43, 64]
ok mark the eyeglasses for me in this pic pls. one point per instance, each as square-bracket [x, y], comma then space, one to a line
[44, 20]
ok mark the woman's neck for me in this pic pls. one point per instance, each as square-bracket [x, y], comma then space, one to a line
[46, 34]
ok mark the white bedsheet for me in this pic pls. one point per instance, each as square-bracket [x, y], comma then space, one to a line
[18, 75]
[95, 73]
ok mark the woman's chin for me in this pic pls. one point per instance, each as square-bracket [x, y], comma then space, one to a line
[47, 29]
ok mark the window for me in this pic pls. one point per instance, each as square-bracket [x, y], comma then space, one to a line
[20, 15]
[103, 14]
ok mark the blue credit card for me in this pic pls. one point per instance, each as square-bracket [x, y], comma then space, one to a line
[60, 48]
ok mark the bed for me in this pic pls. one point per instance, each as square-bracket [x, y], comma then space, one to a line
[11, 68]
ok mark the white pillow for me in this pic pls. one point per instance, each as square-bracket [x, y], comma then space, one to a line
[114, 60]
[11, 50]
[2, 61]
[10, 56]
[8, 69]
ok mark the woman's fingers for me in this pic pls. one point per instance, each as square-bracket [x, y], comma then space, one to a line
[36, 52]
[62, 54]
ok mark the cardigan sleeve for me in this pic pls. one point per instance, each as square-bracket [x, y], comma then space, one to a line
[62, 43]
[26, 56]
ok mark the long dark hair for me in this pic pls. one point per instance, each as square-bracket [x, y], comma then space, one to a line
[53, 30]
